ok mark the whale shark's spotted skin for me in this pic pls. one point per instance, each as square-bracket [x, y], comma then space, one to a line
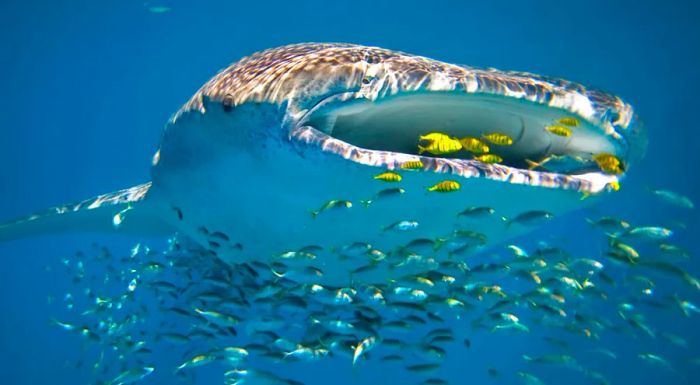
[303, 71]
[278, 134]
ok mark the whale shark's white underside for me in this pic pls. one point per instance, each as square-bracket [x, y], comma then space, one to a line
[278, 134]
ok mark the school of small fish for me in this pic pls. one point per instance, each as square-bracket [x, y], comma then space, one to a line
[247, 319]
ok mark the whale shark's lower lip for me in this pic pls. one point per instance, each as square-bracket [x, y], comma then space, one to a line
[386, 133]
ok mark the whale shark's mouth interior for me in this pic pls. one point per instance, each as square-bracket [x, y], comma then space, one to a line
[396, 123]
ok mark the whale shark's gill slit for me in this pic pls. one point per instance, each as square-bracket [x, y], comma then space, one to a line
[395, 124]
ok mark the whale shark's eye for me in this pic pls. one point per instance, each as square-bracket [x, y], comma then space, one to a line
[227, 102]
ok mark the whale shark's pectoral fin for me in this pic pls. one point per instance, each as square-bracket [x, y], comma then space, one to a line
[127, 211]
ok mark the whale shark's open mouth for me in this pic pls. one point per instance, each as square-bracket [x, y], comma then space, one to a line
[388, 132]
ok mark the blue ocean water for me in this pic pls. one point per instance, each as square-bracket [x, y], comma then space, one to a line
[88, 85]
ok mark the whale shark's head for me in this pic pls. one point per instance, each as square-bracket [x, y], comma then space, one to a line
[284, 132]
[371, 105]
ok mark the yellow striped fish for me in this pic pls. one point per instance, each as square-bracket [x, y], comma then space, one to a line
[412, 165]
[445, 186]
[439, 144]
[388, 176]
[609, 163]
[474, 145]
[569, 121]
[559, 130]
[498, 138]
[489, 158]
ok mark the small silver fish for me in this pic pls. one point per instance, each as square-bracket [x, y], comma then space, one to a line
[609, 224]
[362, 347]
[402, 226]
[476, 212]
[63, 325]
[530, 379]
[531, 218]
[384, 194]
[420, 245]
[159, 9]
[674, 198]
[653, 233]
[656, 359]
[132, 375]
[422, 368]
[332, 204]
[355, 249]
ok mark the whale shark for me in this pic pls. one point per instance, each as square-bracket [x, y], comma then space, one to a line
[275, 159]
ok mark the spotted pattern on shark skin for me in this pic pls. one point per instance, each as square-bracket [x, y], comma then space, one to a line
[300, 71]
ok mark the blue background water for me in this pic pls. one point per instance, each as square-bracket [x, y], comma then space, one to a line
[86, 85]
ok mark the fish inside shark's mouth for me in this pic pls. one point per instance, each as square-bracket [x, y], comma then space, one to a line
[485, 128]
